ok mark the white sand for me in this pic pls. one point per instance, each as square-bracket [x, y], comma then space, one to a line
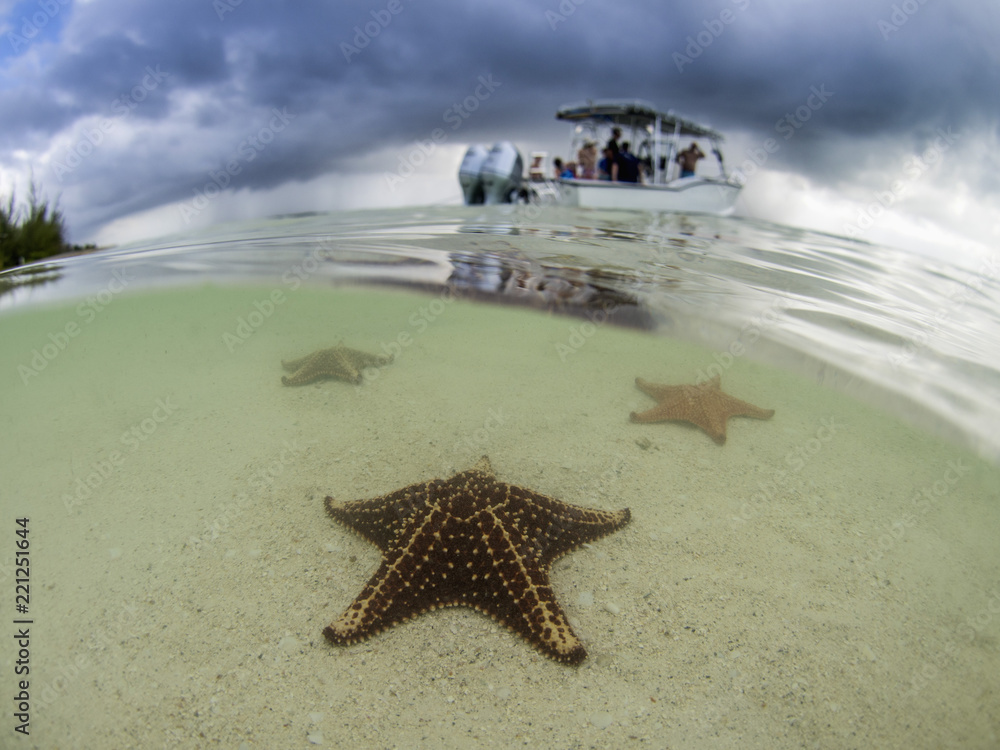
[750, 602]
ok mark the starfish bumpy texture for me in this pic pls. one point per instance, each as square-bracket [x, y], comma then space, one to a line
[473, 541]
[704, 405]
[338, 362]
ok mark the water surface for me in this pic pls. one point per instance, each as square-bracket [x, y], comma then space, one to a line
[828, 577]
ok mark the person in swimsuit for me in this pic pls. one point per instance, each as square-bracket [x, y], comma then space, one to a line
[688, 158]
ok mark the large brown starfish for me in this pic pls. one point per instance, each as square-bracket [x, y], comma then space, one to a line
[469, 540]
[338, 362]
[704, 405]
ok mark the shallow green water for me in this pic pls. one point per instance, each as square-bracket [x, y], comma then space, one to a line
[828, 577]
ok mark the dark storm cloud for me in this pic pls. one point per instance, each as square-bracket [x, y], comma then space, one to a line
[100, 58]
[362, 76]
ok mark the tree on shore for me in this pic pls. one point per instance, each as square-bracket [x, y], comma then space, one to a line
[30, 232]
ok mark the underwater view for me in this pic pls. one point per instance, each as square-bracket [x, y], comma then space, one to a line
[501, 476]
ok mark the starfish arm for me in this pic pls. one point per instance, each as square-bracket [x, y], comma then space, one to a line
[291, 365]
[656, 414]
[673, 402]
[713, 424]
[349, 373]
[382, 520]
[659, 392]
[483, 466]
[361, 360]
[553, 528]
[301, 377]
[714, 421]
[394, 594]
[412, 579]
[366, 615]
[520, 596]
[739, 408]
[339, 363]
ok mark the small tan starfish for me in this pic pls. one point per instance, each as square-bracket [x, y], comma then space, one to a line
[338, 362]
[704, 405]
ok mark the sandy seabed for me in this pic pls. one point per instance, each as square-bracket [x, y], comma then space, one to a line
[828, 578]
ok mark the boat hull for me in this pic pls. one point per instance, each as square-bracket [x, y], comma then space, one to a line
[694, 194]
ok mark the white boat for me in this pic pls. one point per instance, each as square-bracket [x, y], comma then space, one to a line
[696, 194]
[657, 137]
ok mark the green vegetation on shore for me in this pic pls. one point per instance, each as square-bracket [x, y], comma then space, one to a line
[31, 232]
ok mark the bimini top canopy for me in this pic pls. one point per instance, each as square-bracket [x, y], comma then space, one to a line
[634, 113]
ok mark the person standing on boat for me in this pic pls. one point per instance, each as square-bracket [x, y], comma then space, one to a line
[616, 133]
[628, 165]
[586, 158]
[688, 159]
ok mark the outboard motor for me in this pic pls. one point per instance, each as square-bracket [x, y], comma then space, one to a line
[502, 173]
[469, 174]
